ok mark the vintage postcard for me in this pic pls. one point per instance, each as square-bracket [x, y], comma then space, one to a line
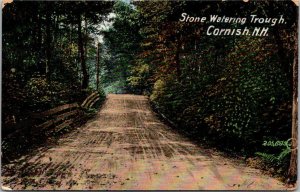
[149, 95]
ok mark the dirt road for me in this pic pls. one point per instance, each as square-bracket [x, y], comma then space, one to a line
[127, 147]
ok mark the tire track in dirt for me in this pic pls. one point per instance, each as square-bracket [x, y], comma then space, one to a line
[127, 147]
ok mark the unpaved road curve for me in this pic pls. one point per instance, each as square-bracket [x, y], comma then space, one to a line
[127, 147]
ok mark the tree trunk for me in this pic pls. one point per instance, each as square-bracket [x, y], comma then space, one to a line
[292, 172]
[48, 43]
[85, 37]
[85, 75]
[38, 42]
[284, 60]
[98, 65]
[39, 33]
[177, 60]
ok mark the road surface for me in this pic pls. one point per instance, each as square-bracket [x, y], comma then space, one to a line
[124, 147]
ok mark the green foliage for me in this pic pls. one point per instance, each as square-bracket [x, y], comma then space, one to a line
[234, 91]
[123, 72]
[38, 93]
[139, 79]
[41, 65]
[115, 87]
[281, 159]
[158, 90]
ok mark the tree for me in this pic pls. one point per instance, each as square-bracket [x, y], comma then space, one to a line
[292, 172]
[36, 38]
[229, 88]
[93, 13]
[98, 66]
[123, 42]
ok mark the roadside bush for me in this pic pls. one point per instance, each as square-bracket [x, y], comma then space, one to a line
[247, 103]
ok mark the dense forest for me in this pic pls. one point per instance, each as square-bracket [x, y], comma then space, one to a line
[238, 93]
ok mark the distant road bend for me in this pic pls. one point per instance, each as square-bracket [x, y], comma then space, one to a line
[127, 147]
